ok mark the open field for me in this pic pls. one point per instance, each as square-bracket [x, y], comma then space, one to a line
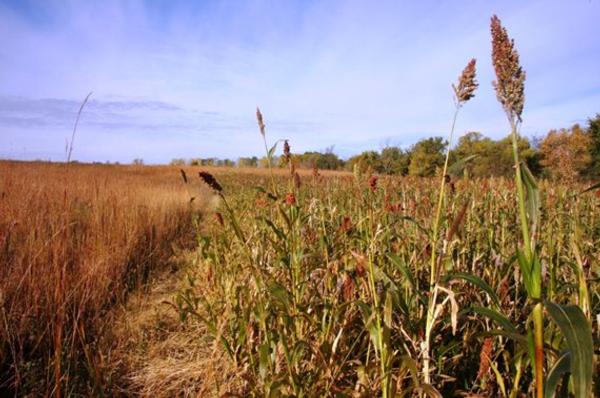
[75, 239]
[448, 269]
[292, 289]
[285, 288]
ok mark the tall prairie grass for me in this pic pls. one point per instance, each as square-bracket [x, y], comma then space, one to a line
[74, 239]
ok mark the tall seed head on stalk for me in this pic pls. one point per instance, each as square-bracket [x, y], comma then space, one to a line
[210, 180]
[261, 124]
[465, 90]
[510, 76]
[286, 151]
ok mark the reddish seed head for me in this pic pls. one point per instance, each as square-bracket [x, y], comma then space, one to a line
[348, 288]
[373, 183]
[219, 219]
[510, 77]
[346, 224]
[290, 199]
[484, 357]
[465, 89]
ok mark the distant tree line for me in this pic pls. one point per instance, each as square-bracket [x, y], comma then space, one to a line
[566, 153]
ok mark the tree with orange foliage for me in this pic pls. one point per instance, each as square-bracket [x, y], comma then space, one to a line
[565, 152]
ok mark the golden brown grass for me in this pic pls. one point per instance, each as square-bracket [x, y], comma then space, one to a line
[74, 239]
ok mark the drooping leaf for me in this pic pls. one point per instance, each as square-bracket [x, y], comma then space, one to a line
[273, 149]
[578, 336]
[497, 317]
[457, 167]
[397, 261]
[477, 281]
[561, 367]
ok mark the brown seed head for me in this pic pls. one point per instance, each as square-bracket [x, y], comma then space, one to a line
[465, 90]
[261, 124]
[510, 77]
[373, 183]
[286, 151]
[290, 199]
[484, 357]
[346, 225]
[348, 288]
[184, 176]
[219, 218]
[210, 181]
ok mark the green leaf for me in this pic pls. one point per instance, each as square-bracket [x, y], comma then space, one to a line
[457, 167]
[411, 364]
[525, 267]
[533, 202]
[561, 367]
[263, 359]
[397, 261]
[578, 336]
[497, 317]
[280, 294]
[272, 150]
[477, 281]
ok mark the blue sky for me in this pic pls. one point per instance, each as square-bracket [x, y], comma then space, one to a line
[183, 78]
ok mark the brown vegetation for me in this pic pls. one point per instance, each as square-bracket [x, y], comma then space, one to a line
[74, 239]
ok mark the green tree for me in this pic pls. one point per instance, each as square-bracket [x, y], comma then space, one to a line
[593, 131]
[247, 161]
[394, 161]
[366, 161]
[474, 143]
[426, 156]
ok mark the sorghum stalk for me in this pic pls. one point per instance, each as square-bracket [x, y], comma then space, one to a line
[464, 91]
[510, 93]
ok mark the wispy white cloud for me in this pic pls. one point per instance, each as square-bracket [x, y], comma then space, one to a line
[183, 78]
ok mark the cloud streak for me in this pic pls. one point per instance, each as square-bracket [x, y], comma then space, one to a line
[183, 78]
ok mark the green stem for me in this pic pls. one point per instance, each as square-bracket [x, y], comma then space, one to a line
[520, 192]
[433, 266]
[537, 313]
[538, 333]
[438, 213]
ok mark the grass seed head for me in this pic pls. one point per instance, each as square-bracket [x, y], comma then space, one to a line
[261, 124]
[210, 181]
[219, 219]
[290, 199]
[373, 183]
[286, 151]
[484, 357]
[467, 84]
[510, 77]
[184, 176]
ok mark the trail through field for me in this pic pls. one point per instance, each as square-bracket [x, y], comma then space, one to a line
[154, 354]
